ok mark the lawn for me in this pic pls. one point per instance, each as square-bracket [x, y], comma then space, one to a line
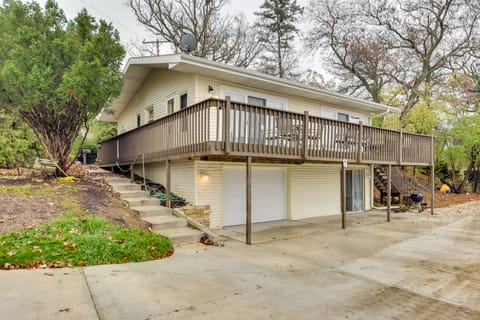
[79, 240]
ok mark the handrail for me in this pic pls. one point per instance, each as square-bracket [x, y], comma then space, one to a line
[221, 127]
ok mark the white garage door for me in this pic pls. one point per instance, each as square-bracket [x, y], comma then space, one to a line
[268, 195]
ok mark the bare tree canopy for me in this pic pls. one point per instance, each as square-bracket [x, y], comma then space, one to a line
[222, 38]
[394, 49]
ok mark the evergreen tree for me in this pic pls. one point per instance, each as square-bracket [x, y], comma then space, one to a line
[56, 74]
[277, 29]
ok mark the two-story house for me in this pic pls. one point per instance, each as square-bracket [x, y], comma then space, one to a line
[217, 135]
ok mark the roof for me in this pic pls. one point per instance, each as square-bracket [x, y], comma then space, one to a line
[138, 69]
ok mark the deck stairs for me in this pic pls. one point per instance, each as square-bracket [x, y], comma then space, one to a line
[402, 185]
[381, 183]
[149, 209]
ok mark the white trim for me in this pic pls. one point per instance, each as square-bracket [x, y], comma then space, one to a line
[227, 90]
[148, 109]
[332, 113]
[173, 97]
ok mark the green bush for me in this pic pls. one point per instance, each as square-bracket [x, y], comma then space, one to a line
[18, 144]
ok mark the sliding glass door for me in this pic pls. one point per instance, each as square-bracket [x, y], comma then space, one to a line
[355, 190]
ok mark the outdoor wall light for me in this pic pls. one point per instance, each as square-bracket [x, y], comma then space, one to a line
[210, 88]
[204, 176]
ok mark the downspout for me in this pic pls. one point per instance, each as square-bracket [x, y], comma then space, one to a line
[372, 196]
[380, 115]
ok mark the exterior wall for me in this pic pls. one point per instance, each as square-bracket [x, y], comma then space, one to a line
[314, 190]
[159, 86]
[211, 192]
[295, 104]
[182, 174]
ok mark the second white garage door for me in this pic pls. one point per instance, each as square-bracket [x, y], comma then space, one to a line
[268, 195]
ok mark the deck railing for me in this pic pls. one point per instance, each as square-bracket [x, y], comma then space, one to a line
[221, 127]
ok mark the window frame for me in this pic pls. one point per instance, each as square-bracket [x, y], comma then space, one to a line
[138, 118]
[150, 113]
[167, 105]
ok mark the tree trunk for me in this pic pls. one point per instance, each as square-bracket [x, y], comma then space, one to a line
[461, 187]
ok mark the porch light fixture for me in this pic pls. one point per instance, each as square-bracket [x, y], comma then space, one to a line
[210, 88]
[204, 176]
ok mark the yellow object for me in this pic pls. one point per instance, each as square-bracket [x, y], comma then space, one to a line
[445, 188]
[66, 179]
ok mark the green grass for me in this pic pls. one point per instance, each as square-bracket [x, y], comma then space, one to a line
[79, 240]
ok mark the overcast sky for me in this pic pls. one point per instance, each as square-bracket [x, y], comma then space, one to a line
[124, 20]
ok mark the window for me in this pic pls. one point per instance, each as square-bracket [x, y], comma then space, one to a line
[343, 117]
[139, 120]
[183, 101]
[150, 114]
[253, 98]
[257, 101]
[170, 105]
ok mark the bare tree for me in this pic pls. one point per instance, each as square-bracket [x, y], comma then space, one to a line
[393, 48]
[222, 38]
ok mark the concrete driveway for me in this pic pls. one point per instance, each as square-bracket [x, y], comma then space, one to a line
[418, 267]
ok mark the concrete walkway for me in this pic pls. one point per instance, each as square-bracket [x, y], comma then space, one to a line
[418, 267]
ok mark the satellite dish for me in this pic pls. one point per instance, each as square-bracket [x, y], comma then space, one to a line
[188, 43]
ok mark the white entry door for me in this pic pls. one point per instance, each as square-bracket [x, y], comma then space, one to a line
[268, 195]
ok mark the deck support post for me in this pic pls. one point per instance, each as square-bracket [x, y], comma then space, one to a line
[167, 187]
[343, 193]
[248, 239]
[432, 175]
[432, 185]
[389, 192]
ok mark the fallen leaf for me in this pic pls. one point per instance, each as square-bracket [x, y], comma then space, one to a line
[11, 253]
[64, 310]
[48, 274]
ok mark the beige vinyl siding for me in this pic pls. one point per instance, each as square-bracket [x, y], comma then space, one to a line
[158, 87]
[182, 177]
[211, 192]
[295, 104]
[314, 191]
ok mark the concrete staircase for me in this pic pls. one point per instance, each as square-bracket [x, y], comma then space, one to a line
[149, 209]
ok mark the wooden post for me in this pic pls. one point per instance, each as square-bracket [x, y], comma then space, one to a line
[249, 202]
[226, 126]
[432, 181]
[305, 136]
[343, 193]
[360, 142]
[389, 192]
[132, 174]
[432, 175]
[400, 149]
[167, 187]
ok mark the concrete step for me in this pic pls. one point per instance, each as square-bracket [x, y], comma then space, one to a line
[116, 179]
[125, 186]
[150, 211]
[140, 202]
[129, 194]
[182, 235]
[165, 222]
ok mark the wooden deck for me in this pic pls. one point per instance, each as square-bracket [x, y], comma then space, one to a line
[220, 127]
